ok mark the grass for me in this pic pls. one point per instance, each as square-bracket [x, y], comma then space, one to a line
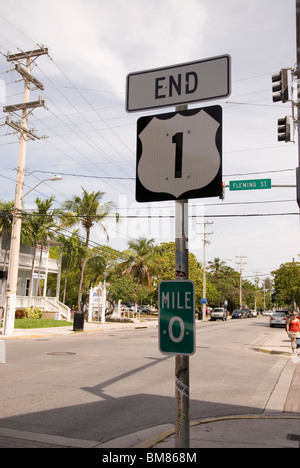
[40, 323]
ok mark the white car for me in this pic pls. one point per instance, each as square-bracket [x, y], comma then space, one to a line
[218, 313]
[268, 312]
[279, 318]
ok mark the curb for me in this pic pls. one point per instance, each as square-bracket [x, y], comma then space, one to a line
[152, 441]
[268, 351]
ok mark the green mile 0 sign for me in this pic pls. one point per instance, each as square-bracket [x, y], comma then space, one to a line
[177, 317]
[256, 184]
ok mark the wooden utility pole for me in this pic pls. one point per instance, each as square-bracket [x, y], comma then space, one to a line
[298, 95]
[25, 134]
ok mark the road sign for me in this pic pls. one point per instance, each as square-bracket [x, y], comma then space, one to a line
[203, 301]
[179, 155]
[186, 83]
[256, 184]
[177, 317]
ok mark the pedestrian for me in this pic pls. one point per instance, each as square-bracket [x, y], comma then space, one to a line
[293, 329]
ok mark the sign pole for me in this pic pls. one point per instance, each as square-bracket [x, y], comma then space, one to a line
[182, 377]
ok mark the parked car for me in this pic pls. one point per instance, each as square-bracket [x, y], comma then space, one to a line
[279, 318]
[128, 305]
[238, 314]
[268, 312]
[247, 312]
[146, 309]
[218, 313]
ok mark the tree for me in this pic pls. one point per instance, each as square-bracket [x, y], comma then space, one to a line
[140, 260]
[6, 218]
[216, 266]
[38, 227]
[127, 289]
[72, 252]
[88, 211]
[287, 283]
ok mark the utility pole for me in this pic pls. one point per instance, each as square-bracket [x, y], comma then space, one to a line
[205, 242]
[298, 95]
[256, 288]
[25, 134]
[241, 263]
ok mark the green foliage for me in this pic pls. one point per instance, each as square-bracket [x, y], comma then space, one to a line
[287, 283]
[34, 313]
[132, 275]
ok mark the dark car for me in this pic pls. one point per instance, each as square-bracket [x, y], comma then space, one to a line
[145, 309]
[237, 314]
[240, 313]
[247, 312]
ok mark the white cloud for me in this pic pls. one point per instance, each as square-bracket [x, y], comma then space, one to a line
[106, 40]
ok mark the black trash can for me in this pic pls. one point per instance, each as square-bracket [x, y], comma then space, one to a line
[78, 323]
[200, 315]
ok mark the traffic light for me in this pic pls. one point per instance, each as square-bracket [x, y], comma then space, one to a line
[284, 129]
[280, 86]
[222, 196]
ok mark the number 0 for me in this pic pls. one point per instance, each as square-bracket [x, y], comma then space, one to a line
[172, 321]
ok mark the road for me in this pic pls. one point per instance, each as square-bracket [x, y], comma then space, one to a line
[100, 386]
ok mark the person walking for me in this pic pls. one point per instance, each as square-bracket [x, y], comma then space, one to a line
[293, 329]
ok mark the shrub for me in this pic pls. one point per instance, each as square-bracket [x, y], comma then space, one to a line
[34, 313]
[20, 313]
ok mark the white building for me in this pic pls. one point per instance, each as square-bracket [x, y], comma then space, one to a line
[43, 266]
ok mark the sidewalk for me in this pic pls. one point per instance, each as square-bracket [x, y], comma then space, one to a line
[277, 427]
[68, 331]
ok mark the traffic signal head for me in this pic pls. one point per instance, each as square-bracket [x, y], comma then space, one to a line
[280, 86]
[284, 129]
[222, 196]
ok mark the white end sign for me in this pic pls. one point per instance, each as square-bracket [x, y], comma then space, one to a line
[203, 80]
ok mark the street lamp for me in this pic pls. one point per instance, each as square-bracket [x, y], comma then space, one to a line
[14, 256]
[52, 179]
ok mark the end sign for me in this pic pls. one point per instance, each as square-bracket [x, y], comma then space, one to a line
[177, 317]
[185, 83]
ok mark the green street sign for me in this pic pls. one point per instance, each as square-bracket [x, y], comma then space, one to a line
[256, 184]
[177, 317]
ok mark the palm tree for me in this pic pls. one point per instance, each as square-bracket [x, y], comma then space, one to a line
[38, 227]
[6, 218]
[88, 211]
[140, 260]
[73, 251]
[216, 266]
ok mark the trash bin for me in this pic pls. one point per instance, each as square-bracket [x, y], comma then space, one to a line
[200, 315]
[78, 323]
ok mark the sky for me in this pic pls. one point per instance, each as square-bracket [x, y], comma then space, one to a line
[90, 139]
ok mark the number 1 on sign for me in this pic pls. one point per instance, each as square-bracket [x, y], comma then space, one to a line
[178, 140]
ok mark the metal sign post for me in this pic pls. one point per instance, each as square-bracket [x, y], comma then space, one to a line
[182, 363]
[170, 166]
[182, 375]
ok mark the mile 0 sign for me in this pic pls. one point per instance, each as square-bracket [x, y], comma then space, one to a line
[179, 155]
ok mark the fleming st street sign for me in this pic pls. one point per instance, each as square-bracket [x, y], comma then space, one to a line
[256, 184]
[186, 83]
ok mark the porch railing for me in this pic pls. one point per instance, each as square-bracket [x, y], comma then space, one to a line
[49, 304]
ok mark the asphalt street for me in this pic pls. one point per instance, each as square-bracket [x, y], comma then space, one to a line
[106, 384]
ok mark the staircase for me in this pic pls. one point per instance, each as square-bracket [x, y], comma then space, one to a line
[49, 304]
